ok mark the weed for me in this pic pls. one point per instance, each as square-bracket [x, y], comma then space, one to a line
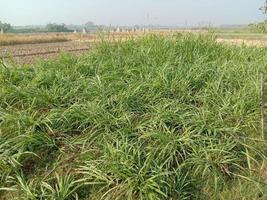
[150, 118]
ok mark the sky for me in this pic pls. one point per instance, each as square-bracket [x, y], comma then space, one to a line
[131, 12]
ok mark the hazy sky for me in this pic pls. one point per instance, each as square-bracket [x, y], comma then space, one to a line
[130, 12]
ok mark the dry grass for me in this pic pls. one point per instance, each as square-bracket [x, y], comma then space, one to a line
[248, 42]
[13, 39]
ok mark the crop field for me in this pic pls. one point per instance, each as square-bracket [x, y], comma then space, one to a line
[151, 118]
[29, 48]
[37, 38]
[14, 39]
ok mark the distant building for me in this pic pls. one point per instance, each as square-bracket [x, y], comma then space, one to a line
[2, 31]
[75, 31]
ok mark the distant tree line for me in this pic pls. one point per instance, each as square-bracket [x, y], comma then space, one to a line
[53, 27]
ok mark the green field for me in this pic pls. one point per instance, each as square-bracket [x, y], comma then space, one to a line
[152, 118]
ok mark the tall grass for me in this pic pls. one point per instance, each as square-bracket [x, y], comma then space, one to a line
[149, 118]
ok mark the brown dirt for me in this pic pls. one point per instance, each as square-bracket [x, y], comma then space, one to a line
[29, 53]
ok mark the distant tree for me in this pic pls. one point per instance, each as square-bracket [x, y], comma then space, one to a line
[53, 27]
[5, 26]
[89, 24]
[264, 8]
[260, 27]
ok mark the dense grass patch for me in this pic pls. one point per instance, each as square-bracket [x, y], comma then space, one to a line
[151, 118]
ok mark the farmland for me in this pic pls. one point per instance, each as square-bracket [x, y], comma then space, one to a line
[14, 39]
[31, 53]
[29, 48]
[153, 117]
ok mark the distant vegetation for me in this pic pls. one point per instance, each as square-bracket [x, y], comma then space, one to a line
[260, 27]
[53, 27]
[264, 7]
[5, 26]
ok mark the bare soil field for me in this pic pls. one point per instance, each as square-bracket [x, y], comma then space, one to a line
[29, 53]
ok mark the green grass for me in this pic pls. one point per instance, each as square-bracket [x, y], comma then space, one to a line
[151, 118]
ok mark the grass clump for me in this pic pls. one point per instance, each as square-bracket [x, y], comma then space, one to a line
[149, 118]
